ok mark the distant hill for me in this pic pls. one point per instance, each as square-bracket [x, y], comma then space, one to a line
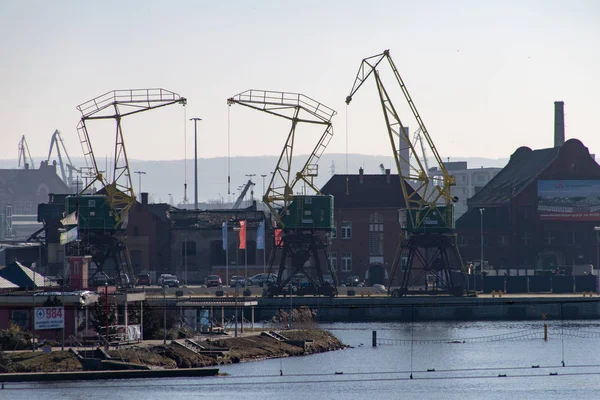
[164, 178]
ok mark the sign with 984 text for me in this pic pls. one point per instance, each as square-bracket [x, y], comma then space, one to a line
[49, 318]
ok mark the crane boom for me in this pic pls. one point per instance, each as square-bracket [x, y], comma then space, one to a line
[421, 203]
[24, 154]
[115, 105]
[66, 169]
[240, 198]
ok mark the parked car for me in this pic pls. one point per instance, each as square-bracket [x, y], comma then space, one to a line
[237, 280]
[261, 279]
[213, 281]
[162, 277]
[171, 281]
[353, 281]
[143, 280]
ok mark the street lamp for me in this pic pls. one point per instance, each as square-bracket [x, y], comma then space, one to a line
[263, 176]
[195, 161]
[481, 210]
[164, 314]
[140, 173]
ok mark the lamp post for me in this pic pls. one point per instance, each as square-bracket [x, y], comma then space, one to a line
[140, 173]
[481, 210]
[263, 176]
[164, 314]
[195, 161]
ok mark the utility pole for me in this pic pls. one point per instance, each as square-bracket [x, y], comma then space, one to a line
[140, 173]
[164, 314]
[195, 161]
[481, 210]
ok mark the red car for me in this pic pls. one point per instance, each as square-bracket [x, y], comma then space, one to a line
[213, 280]
[143, 280]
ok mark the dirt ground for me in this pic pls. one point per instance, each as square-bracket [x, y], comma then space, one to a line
[241, 349]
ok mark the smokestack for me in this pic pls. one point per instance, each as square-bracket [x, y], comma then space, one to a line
[361, 175]
[559, 123]
[145, 198]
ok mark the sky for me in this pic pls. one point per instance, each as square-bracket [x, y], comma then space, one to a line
[483, 74]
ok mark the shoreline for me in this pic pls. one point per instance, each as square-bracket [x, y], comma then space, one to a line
[147, 360]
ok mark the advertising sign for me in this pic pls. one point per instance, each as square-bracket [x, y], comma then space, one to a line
[68, 236]
[569, 200]
[49, 318]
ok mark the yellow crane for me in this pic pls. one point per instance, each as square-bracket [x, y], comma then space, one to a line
[304, 219]
[427, 219]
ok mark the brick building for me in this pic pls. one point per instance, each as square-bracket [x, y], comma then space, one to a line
[367, 232]
[538, 213]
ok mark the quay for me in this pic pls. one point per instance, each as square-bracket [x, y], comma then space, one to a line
[97, 375]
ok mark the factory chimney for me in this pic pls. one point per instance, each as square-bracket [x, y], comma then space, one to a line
[559, 123]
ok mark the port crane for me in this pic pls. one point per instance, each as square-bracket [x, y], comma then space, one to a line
[102, 217]
[24, 154]
[429, 245]
[240, 198]
[303, 219]
[67, 169]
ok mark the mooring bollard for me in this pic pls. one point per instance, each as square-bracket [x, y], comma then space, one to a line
[374, 338]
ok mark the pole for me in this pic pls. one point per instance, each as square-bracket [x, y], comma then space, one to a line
[245, 262]
[106, 312]
[227, 262]
[62, 300]
[185, 258]
[195, 163]
[140, 173]
[481, 210]
[142, 321]
[164, 315]
[237, 285]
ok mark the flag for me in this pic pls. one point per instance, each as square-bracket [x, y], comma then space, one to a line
[224, 229]
[242, 235]
[70, 219]
[278, 237]
[260, 236]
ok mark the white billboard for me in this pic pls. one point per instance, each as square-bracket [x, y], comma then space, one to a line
[49, 318]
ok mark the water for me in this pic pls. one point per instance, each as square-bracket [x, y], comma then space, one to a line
[462, 370]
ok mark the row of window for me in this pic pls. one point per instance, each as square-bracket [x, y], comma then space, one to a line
[549, 238]
[375, 225]
[346, 259]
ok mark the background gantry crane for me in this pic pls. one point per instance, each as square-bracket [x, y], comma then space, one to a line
[429, 243]
[24, 155]
[304, 219]
[102, 217]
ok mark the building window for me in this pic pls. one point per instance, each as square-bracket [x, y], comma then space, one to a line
[346, 262]
[27, 208]
[549, 237]
[526, 239]
[504, 240]
[462, 240]
[333, 261]
[346, 229]
[375, 234]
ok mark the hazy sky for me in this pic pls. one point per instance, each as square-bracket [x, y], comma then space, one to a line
[483, 74]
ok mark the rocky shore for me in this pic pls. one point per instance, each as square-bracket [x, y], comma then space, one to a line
[174, 355]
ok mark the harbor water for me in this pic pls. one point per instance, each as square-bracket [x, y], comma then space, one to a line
[449, 360]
